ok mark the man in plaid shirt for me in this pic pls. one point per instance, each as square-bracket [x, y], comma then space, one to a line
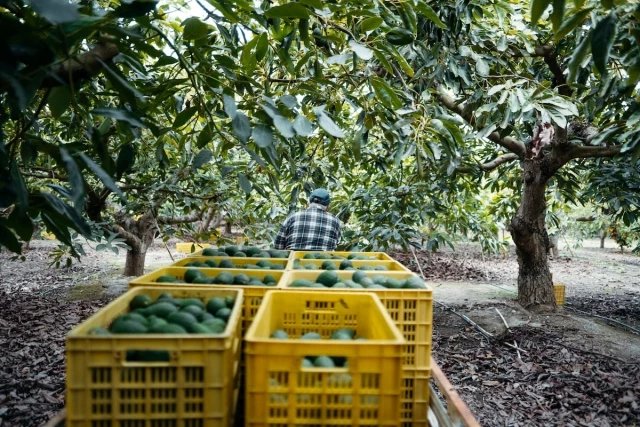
[314, 229]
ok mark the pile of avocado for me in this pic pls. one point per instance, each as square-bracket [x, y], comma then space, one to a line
[359, 280]
[323, 255]
[345, 264]
[169, 315]
[263, 264]
[248, 251]
[322, 361]
[196, 276]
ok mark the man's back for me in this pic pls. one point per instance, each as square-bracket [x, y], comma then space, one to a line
[313, 229]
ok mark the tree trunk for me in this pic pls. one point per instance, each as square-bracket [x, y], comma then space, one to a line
[136, 256]
[553, 243]
[535, 286]
[139, 236]
[603, 236]
[227, 227]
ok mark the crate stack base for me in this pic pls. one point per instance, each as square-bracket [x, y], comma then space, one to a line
[197, 386]
[280, 392]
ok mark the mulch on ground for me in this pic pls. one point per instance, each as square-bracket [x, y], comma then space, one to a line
[553, 383]
[32, 354]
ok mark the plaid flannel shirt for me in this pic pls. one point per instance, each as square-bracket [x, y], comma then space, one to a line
[313, 229]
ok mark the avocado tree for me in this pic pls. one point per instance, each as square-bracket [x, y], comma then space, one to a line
[423, 92]
[545, 96]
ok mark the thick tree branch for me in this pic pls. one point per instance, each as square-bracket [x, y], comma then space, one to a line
[52, 176]
[84, 66]
[486, 167]
[180, 219]
[210, 214]
[511, 144]
[130, 238]
[586, 219]
[582, 152]
[544, 50]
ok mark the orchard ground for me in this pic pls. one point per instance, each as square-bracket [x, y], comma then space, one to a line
[570, 367]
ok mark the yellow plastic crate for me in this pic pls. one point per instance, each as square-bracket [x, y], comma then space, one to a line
[185, 247]
[378, 255]
[236, 260]
[390, 265]
[197, 383]
[410, 309]
[558, 291]
[199, 254]
[415, 397]
[280, 392]
[252, 294]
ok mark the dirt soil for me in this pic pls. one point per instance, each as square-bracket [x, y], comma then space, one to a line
[573, 368]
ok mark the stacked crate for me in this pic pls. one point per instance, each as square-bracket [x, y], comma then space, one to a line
[190, 379]
[410, 310]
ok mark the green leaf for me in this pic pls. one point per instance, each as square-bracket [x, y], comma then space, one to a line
[283, 125]
[263, 136]
[428, 12]
[75, 179]
[194, 29]
[245, 184]
[248, 58]
[261, 46]
[241, 127]
[362, 51]
[122, 115]
[578, 55]
[61, 232]
[380, 56]
[102, 175]
[289, 101]
[289, 10]
[59, 100]
[371, 24]
[601, 42]
[607, 4]
[9, 241]
[119, 82]
[202, 158]
[537, 9]
[56, 11]
[402, 61]
[385, 94]
[571, 23]
[21, 224]
[302, 126]
[482, 68]
[19, 187]
[328, 124]
[204, 137]
[230, 106]
[558, 13]
[126, 160]
[135, 8]
[184, 116]
[316, 4]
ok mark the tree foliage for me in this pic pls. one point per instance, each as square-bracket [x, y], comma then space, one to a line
[406, 110]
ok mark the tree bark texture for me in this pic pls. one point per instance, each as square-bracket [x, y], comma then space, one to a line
[136, 257]
[603, 236]
[139, 236]
[535, 285]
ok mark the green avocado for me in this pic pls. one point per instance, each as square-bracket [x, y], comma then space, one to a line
[328, 278]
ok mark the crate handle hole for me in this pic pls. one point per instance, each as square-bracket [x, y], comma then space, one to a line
[147, 356]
